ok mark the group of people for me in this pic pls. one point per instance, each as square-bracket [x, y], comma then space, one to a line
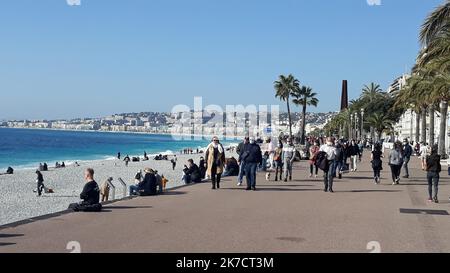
[151, 183]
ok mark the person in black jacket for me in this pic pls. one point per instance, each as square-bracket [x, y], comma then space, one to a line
[40, 182]
[407, 152]
[202, 167]
[90, 194]
[353, 152]
[191, 173]
[433, 167]
[252, 157]
[147, 186]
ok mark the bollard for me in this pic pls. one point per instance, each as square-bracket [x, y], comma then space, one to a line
[112, 191]
[124, 185]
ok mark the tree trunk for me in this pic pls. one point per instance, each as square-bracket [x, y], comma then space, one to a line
[431, 139]
[289, 117]
[417, 127]
[302, 140]
[443, 128]
[423, 129]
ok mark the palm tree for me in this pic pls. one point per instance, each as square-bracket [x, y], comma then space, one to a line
[304, 97]
[434, 35]
[380, 122]
[371, 93]
[284, 86]
[435, 23]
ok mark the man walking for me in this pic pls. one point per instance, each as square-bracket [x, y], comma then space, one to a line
[239, 150]
[330, 151]
[407, 152]
[251, 157]
[288, 156]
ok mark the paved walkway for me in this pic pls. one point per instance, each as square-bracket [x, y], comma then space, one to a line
[280, 217]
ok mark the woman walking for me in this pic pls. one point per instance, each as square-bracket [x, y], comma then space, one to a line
[215, 159]
[433, 168]
[278, 161]
[313, 151]
[377, 163]
[396, 162]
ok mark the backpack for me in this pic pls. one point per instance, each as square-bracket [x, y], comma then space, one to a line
[321, 161]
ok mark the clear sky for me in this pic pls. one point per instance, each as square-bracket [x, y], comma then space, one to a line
[111, 56]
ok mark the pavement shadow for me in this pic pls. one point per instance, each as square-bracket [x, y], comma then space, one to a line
[265, 188]
[10, 235]
[6, 244]
[174, 193]
[362, 191]
[128, 207]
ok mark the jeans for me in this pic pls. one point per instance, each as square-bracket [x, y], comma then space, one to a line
[311, 169]
[395, 171]
[241, 172]
[250, 173]
[328, 176]
[287, 167]
[338, 166]
[433, 181]
[405, 166]
[133, 189]
[263, 166]
[353, 161]
[278, 169]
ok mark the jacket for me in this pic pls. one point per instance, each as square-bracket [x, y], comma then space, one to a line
[91, 193]
[434, 163]
[395, 158]
[148, 185]
[251, 153]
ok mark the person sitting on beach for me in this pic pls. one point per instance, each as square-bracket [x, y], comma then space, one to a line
[231, 167]
[45, 167]
[127, 160]
[76, 164]
[147, 186]
[191, 173]
[63, 165]
[90, 195]
[10, 170]
[159, 183]
[41, 167]
[57, 165]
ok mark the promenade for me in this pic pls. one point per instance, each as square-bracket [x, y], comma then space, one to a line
[295, 216]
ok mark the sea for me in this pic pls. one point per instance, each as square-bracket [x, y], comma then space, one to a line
[26, 148]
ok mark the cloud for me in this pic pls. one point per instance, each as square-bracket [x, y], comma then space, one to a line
[73, 2]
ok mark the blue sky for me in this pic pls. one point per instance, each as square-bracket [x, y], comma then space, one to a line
[110, 56]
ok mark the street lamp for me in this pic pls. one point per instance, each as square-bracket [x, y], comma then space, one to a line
[362, 123]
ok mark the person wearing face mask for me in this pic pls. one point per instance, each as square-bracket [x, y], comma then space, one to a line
[288, 156]
[252, 156]
[353, 152]
[215, 160]
[278, 162]
[330, 151]
[407, 152]
[239, 150]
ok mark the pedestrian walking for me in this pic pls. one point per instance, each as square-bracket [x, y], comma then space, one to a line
[330, 155]
[239, 150]
[353, 152]
[433, 168]
[288, 156]
[377, 163]
[278, 161]
[40, 183]
[313, 150]
[251, 155]
[396, 162]
[407, 152]
[215, 160]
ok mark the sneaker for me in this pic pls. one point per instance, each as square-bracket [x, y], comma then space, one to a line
[430, 200]
[394, 183]
[239, 183]
[285, 180]
[310, 175]
[340, 176]
[325, 190]
[253, 189]
[247, 189]
[331, 190]
[316, 176]
[405, 176]
[436, 200]
[290, 178]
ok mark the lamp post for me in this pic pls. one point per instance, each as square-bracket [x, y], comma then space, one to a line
[355, 119]
[362, 123]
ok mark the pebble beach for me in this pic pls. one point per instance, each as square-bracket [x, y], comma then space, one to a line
[19, 202]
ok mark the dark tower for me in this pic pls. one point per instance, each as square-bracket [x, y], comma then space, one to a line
[344, 96]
